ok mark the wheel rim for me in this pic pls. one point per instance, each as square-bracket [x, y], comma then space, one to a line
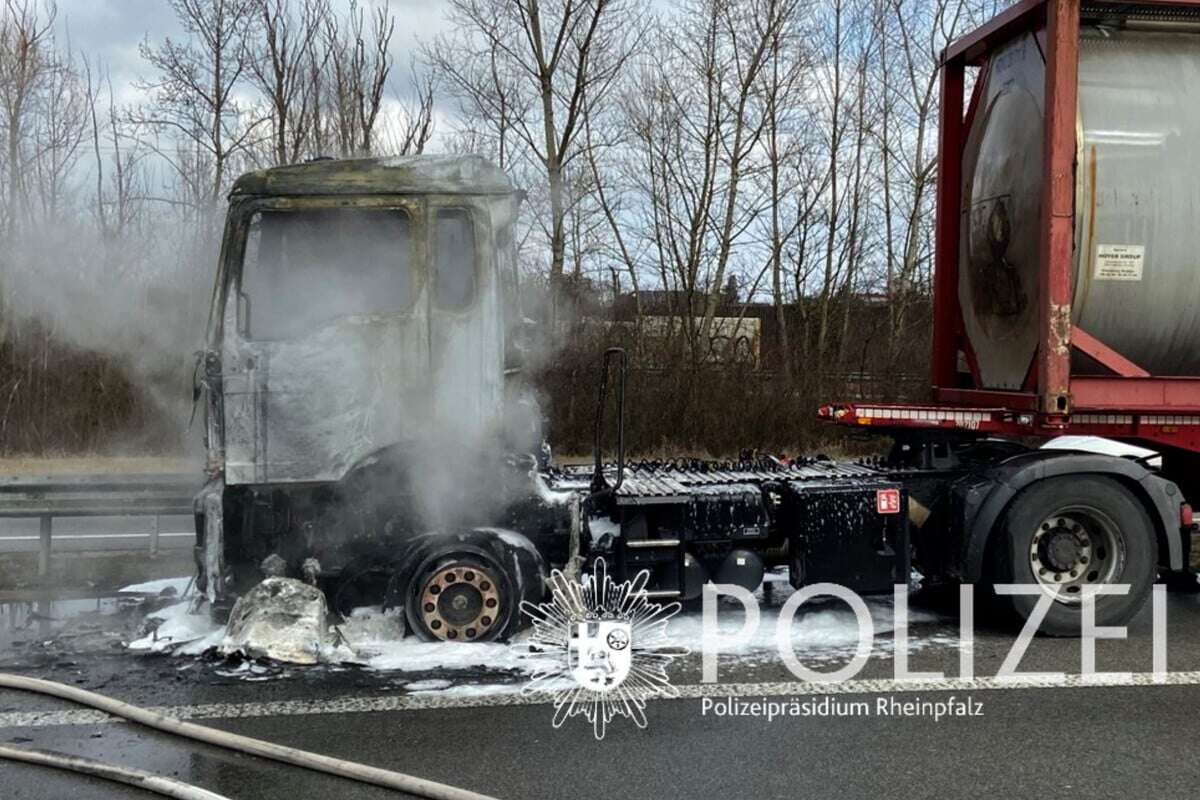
[461, 601]
[1076, 547]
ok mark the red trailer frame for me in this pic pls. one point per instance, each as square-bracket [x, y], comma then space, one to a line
[1128, 404]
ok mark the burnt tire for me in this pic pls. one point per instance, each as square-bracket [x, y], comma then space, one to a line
[1067, 533]
[461, 597]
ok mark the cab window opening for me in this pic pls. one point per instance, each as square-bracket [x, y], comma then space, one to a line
[455, 272]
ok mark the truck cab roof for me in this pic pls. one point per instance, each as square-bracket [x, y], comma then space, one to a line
[417, 174]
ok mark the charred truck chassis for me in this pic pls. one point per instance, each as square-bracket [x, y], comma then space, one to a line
[961, 509]
[320, 467]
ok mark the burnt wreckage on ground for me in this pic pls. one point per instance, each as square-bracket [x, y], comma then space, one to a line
[368, 430]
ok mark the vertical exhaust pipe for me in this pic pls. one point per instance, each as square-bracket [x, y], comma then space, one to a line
[600, 487]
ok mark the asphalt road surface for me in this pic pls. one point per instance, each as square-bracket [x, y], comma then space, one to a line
[1053, 739]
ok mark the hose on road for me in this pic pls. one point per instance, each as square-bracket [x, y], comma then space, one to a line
[168, 787]
[243, 744]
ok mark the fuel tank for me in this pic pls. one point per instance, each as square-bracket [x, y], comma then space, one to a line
[1136, 260]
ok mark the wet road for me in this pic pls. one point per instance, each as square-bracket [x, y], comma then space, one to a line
[1107, 741]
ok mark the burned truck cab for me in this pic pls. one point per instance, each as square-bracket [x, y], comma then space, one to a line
[357, 407]
[357, 300]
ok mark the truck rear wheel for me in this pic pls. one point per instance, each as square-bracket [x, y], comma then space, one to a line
[461, 597]
[1069, 533]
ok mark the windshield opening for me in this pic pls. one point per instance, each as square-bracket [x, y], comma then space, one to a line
[304, 269]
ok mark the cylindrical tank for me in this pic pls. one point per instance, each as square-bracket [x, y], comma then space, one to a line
[1137, 204]
[742, 568]
[695, 575]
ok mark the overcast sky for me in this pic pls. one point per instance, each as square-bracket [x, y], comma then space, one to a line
[112, 30]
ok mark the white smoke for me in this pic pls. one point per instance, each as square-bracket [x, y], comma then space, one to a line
[139, 300]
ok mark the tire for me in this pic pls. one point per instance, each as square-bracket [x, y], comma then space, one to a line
[461, 597]
[1069, 532]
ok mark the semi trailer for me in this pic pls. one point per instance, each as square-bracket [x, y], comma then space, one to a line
[368, 427]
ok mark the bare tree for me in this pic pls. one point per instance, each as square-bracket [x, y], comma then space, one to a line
[58, 135]
[842, 83]
[194, 102]
[544, 62]
[610, 195]
[856, 239]
[750, 46]
[487, 87]
[407, 128]
[699, 115]
[912, 34]
[788, 146]
[359, 64]
[834, 89]
[119, 177]
[27, 59]
[279, 63]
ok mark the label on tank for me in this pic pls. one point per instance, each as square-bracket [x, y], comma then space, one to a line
[1119, 262]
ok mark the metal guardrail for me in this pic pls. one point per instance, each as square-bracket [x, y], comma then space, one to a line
[107, 495]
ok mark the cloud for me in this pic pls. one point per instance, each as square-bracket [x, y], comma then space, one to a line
[112, 30]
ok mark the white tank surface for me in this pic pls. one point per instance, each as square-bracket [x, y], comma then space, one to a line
[1137, 204]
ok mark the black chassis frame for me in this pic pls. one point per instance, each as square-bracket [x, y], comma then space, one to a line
[955, 492]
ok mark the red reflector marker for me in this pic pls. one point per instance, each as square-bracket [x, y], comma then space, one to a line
[1186, 517]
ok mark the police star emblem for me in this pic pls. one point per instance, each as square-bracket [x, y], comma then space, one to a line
[613, 648]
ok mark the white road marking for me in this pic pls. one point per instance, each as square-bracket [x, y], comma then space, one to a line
[479, 697]
[62, 536]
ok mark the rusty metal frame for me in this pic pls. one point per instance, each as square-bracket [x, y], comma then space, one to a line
[1110, 359]
[1051, 392]
[1058, 208]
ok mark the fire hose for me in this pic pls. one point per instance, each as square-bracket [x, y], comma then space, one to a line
[160, 784]
[232, 741]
